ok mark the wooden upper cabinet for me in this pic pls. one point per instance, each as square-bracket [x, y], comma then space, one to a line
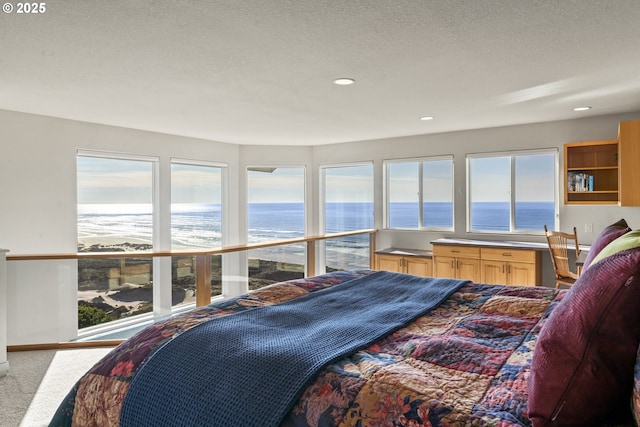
[629, 149]
[591, 172]
[604, 172]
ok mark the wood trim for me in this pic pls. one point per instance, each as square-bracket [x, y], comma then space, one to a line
[64, 345]
[214, 251]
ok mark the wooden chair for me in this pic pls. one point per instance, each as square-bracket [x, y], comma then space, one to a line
[559, 245]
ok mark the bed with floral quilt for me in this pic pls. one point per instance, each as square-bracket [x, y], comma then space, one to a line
[466, 360]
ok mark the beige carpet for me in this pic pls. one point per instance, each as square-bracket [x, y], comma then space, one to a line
[37, 382]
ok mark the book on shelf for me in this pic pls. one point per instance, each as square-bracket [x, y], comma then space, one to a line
[580, 181]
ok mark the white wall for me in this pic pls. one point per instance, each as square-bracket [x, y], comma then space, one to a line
[4, 364]
[38, 193]
[38, 210]
[459, 144]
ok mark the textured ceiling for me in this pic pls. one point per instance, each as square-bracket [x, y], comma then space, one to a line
[261, 71]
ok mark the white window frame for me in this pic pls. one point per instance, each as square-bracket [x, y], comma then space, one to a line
[161, 293]
[512, 199]
[386, 193]
[322, 205]
[224, 172]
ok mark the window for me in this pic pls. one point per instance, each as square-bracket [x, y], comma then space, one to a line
[276, 211]
[115, 213]
[348, 206]
[411, 184]
[196, 223]
[512, 193]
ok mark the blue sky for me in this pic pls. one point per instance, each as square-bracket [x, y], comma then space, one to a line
[104, 180]
[534, 178]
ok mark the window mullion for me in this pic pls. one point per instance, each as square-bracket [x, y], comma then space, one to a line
[512, 195]
[420, 196]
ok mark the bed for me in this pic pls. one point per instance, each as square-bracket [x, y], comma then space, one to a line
[451, 353]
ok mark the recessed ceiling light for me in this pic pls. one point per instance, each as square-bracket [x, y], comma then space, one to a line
[425, 118]
[344, 81]
[585, 108]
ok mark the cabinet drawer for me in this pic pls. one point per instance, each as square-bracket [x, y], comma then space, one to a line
[456, 251]
[516, 255]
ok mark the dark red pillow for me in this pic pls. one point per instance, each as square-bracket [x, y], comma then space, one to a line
[583, 364]
[606, 236]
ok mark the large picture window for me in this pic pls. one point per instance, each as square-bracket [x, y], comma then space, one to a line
[115, 214]
[196, 223]
[348, 206]
[419, 193]
[276, 211]
[512, 192]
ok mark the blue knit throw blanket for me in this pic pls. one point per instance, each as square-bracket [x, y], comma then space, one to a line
[248, 369]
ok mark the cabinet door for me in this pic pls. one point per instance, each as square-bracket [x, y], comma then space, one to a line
[469, 269]
[444, 266]
[494, 272]
[389, 263]
[629, 146]
[419, 266]
[521, 274]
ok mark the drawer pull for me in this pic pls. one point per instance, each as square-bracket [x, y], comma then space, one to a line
[506, 254]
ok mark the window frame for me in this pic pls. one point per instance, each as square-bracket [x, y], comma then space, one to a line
[223, 170]
[321, 255]
[158, 302]
[387, 191]
[256, 168]
[512, 154]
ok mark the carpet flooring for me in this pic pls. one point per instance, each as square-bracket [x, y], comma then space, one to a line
[37, 382]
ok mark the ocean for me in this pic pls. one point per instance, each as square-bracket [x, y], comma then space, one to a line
[199, 225]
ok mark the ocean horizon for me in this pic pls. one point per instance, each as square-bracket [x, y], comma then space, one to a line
[200, 225]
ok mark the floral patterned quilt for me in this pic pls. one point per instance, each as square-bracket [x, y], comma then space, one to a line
[464, 363]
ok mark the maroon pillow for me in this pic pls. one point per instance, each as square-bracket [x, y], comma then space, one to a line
[606, 236]
[583, 363]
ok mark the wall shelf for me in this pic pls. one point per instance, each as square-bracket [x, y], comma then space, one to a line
[604, 172]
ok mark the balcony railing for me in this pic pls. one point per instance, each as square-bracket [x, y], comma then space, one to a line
[203, 273]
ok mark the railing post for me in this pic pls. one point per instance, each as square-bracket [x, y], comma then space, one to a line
[203, 280]
[311, 258]
[372, 250]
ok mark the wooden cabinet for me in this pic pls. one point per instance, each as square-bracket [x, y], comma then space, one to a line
[629, 153]
[501, 263]
[408, 261]
[492, 262]
[591, 172]
[514, 267]
[604, 172]
[457, 262]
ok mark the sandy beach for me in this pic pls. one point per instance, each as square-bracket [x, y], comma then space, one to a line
[123, 287]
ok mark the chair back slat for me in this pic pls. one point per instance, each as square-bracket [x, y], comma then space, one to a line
[560, 243]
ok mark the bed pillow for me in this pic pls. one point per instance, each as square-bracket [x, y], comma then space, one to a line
[606, 236]
[635, 402]
[583, 364]
[630, 240]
